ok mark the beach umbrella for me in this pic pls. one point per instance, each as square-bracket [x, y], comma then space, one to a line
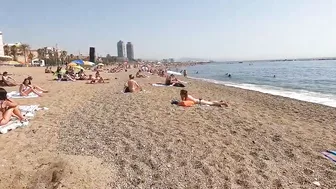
[72, 64]
[78, 67]
[100, 64]
[79, 62]
[87, 63]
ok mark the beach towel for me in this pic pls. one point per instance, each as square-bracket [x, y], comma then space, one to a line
[330, 154]
[160, 85]
[12, 125]
[28, 111]
[15, 94]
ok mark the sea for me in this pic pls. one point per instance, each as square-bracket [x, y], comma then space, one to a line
[311, 81]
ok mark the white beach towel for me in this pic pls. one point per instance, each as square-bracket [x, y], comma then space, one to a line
[15, 94]
[28, 111]
[12, 125]
[160, 85]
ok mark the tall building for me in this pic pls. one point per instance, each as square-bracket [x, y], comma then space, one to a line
[121, 49]
[2, 52]
[130, 51]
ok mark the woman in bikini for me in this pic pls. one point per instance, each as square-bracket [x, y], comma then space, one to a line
[25, 89]
[30, 78]
[186, 97]
[9, 108]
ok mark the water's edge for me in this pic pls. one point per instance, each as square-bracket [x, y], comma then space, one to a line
[302, 95]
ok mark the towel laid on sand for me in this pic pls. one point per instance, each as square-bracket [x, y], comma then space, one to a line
[15, 94]
[27, 111]
[160, 85]
[330, 154]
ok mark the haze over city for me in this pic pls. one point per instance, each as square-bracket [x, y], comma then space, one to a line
[218, 30]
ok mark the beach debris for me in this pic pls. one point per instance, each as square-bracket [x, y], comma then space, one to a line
[316, 183]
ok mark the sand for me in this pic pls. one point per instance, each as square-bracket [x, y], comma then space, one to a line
[94, 136]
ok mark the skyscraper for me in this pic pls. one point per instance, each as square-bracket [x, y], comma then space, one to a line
[130, 51]
[121, 49]
[2, 53]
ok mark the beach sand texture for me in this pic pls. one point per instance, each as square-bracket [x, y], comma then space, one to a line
[94, 136]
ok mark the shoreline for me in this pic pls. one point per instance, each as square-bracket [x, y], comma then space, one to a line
[102, 138]
[315, 97]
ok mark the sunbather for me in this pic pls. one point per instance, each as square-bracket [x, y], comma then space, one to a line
[139, 75]
[186, 97]
[131, 85]
[25, 89]
[7, 80]
[30, 78]
[8, 108]
[172, 80]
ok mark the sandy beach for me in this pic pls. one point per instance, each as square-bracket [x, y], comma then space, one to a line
[94, 136]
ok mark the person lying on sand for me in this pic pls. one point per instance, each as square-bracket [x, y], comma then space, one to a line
[139, 75]
[186, 97]
[172, 80]
[132, 86]
[8, 108]
[7, 80]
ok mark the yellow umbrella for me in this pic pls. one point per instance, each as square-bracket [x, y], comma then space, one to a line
[72, 64]
[77, 67]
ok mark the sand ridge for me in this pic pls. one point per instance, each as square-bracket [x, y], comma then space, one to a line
[94, 136]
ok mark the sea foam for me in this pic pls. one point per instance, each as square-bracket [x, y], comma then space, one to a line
[303, 95]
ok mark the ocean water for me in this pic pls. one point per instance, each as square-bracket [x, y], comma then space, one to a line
[312, 81]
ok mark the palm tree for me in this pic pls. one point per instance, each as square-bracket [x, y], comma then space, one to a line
[24, 48]
[7, 50]
[13, 50]
[30, 57]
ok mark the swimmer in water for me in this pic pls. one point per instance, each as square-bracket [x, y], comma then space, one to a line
[229, 75]
[274, 76]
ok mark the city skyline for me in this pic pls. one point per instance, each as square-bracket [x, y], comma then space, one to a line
[226, 30]
[130, 51]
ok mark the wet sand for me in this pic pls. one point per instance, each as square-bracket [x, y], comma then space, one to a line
[93, 136]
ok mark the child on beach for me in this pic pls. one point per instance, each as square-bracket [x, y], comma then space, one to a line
[9, 108]
[186, 97]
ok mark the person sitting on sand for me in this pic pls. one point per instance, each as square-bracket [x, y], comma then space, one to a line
[48, 70]
[132, 86]
[98, 78]
[25, 89]
[9, 108]
[172, 80]
[186, 97]
[5, 80]
[81, 75]
[139, 75]
[30, 78]
[67, 77]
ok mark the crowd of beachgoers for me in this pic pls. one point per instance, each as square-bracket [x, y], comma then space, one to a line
[64, 73]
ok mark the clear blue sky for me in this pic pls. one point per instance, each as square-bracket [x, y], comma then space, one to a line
[216, 29]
